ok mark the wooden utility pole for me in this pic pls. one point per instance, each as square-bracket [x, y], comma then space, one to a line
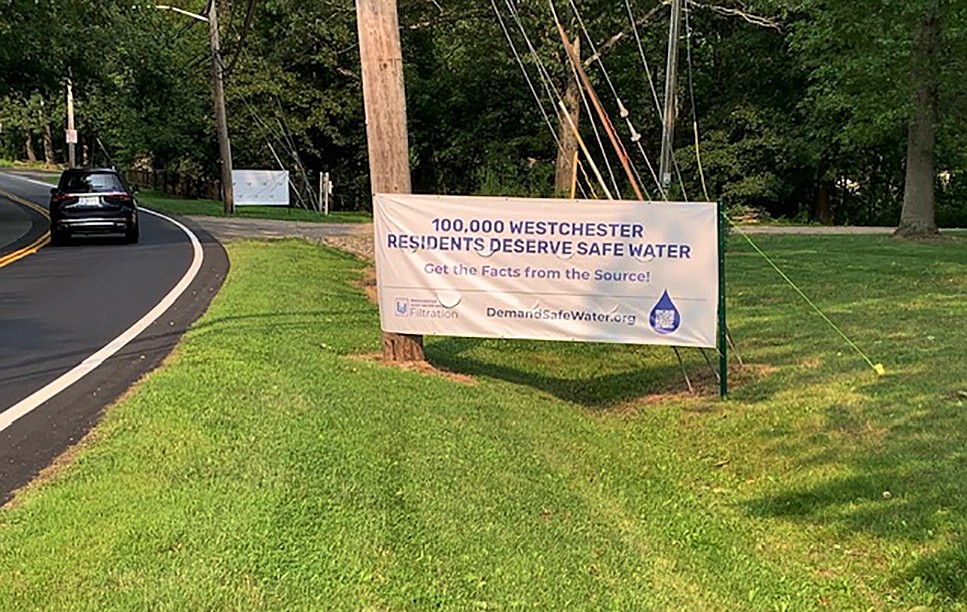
[602, 116]
[671, 99]
[221, 120]
[384, 98]
[218, 92]
[565, 168]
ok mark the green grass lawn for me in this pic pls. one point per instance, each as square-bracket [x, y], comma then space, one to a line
[267, 466]
[214, 208]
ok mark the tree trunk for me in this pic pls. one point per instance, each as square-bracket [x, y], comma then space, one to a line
[917, 217]
[402, 347]
[49, 160]
[29, 146]
[567, 151]
[384, 99]
[823, 211]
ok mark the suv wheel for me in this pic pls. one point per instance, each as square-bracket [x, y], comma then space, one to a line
[58, 237]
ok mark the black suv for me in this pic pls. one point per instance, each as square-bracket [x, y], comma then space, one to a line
[92, 201]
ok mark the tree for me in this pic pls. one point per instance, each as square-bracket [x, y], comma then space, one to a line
[747, 92]
[842, 115]
[918, 214]
[880, 72]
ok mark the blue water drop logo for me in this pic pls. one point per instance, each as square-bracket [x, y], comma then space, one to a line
[664, 317]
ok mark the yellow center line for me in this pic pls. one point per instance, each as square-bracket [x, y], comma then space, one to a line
[36, 244]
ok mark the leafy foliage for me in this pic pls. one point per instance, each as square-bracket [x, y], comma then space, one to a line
[807, 120]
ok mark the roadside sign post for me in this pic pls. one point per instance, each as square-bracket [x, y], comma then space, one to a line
[723, 345]
[325, 192]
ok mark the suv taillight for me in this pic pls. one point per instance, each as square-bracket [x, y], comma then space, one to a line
[59, 199]
[122, 199]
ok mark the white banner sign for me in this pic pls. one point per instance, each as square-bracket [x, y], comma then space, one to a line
[260, 187]
[631, 272]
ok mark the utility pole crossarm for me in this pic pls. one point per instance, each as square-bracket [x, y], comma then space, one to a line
[165, 7]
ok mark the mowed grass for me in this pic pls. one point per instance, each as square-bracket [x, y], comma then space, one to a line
[268, 466]
[160, 202]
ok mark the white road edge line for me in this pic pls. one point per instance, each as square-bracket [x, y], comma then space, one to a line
[28, 404]
[29, 180]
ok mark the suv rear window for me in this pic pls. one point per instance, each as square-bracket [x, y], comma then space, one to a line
[90, 182]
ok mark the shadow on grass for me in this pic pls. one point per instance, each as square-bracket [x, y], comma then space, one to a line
[598, 384]
[911, 487]
[944, 572]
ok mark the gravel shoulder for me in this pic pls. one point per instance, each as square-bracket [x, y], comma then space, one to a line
[357, 238]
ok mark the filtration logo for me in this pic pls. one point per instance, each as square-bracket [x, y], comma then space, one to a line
[423, 309]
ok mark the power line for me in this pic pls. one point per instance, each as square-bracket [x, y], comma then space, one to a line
[543, 74]
[691, 95]
[625, 114]
[602, 115]
[530, 83]
[246, 26]
[587, 110]
[523, 69]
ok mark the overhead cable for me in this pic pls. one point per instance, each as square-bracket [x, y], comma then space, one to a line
[625, 114]
[523, 69]
[691, 95]
[530, 83]
[588, 111]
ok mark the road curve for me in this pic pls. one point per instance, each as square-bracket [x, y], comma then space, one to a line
[23, 222]
[90, 319]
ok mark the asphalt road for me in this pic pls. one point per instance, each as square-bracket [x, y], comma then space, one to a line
[61, 305]
[20, 226]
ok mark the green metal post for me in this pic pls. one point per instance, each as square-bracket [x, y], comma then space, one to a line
[722, 339]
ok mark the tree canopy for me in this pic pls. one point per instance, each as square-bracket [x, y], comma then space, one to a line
[806, 110]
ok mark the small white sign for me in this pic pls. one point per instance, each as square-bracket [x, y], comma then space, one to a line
[71, 136]
[628, 272]
[260, 187]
